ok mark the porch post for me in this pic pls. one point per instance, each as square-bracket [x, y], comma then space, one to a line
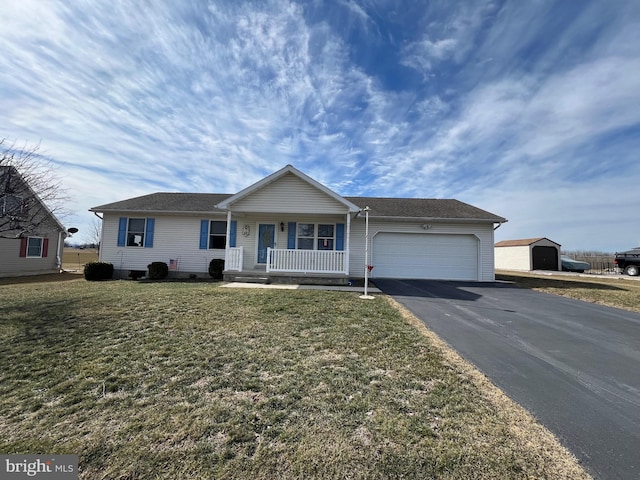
[347, 245]
[226, 248]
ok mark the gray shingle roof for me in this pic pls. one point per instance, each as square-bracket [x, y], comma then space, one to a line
[167, 203]
[427, 208]
[418, 208]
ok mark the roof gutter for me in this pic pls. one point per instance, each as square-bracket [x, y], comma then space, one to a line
[437, 219]
[167, 212]
[498, 226]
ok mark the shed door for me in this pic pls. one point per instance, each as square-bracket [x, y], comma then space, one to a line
[426, 256]
[545, 258]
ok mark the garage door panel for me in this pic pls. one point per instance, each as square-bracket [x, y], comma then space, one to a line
[436, 256]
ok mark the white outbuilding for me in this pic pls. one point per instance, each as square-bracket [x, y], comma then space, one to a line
[527, 254]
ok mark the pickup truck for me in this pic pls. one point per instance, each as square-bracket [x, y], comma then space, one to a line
[629, 261]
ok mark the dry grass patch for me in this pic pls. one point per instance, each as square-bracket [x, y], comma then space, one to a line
[174, 380]
[618, 291]
[74, 259]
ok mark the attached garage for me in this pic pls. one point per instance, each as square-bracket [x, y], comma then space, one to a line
[425, 256]
[528, 254]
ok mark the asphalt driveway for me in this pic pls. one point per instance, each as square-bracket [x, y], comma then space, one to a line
[574, 365]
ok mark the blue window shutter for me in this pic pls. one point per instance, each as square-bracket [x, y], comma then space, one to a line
[204, 233]
[291, 236]
[340, 236]
[122, 232]
[232, 233]
[148, 234]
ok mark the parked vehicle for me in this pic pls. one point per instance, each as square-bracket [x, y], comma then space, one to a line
[571, 265]
[629, 261]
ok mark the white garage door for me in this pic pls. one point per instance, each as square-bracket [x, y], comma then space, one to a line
[437, 256]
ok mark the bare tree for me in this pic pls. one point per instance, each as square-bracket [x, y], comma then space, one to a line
[30, 190]
[94, 234]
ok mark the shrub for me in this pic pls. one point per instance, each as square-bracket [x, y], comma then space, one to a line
[158, 270]
[216, 267]
[98, 271]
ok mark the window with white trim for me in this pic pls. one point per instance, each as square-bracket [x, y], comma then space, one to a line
[34, 247]
[316, 236]
[218, 235]
[135, 232]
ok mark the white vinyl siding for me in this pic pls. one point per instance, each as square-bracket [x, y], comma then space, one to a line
[175, 237]
[289, 194]
[13, 265]
[178, 237]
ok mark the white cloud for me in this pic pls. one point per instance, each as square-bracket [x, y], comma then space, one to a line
[182, 96]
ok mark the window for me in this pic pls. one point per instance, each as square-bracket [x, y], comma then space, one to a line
[12, 205]
[313, 236]
[34, 247]
[306, 234]
[218, 234]
[135, 232]
[325, 237]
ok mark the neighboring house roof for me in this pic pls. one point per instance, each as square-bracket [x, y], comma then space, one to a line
[289, 169]
[523, 242]
[407, 208]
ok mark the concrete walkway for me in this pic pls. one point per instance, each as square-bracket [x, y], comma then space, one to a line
[277, 286]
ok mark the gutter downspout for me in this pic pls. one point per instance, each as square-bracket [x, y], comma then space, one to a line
[59, 252]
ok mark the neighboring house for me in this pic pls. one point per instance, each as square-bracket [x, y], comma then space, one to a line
[289, 227]
[31, 237]
[528, 254]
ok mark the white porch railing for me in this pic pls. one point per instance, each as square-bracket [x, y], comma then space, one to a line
[234, 258]
[306, 261]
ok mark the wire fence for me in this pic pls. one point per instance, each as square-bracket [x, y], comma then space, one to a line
[600, 264]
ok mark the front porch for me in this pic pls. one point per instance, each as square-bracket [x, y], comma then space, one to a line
[302, 267]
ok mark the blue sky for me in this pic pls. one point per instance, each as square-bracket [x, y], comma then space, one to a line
[530, 110]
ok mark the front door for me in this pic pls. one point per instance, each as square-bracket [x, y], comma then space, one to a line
[266, 238]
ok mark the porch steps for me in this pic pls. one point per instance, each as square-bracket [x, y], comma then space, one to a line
[284, 278]
[252, 279]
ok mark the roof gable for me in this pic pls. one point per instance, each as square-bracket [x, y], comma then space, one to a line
[280, 174]
[28, 192]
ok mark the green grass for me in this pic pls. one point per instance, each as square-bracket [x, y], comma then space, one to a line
[180, 380]
[613, 291]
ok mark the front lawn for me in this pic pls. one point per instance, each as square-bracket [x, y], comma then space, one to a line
[190, 381]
